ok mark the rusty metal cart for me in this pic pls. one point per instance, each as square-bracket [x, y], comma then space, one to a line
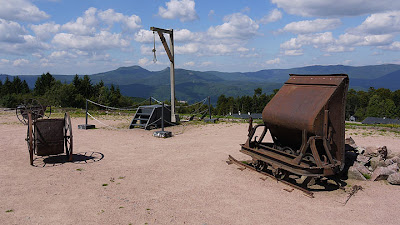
[45, 137]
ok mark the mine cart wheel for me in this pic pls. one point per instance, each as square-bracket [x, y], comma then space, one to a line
[309, 157]
[29, 138]
[288, 150]
[68, 136]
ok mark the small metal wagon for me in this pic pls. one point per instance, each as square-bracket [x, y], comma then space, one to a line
[45, 137]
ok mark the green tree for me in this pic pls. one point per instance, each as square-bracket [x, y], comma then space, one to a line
[44, 83]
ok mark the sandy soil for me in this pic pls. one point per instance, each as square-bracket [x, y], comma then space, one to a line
[179, 180]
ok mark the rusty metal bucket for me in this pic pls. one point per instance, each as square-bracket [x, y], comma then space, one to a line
[306, 122]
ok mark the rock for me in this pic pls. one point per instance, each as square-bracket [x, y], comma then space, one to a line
[389, 162]
[349, 141]
[363, 159]
[360, 150]
[361, 168]
[355, 174]
[375, 162]
[383, 172]
[383, 152]
[394, 178]
[371, 151]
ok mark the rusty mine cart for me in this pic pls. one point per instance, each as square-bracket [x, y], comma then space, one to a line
[45, 137]
[306, 120]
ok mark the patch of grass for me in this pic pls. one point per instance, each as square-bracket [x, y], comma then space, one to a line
[367, 176]
[104, 185]
[79, 169]
[244, 162]
[147, 209]
[121, 178]
[10, 210]
[121, 207]
[112, 179]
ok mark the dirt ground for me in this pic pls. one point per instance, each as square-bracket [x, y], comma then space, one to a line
[123, 176]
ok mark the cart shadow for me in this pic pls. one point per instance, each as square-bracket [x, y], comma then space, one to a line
[57, 160]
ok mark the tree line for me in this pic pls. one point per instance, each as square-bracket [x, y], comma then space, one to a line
[49, 91]
[380, 102]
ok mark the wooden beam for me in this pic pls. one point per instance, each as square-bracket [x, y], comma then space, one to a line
[164, 42]
[160, 29]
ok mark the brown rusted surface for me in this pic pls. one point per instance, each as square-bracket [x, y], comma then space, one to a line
[306, 122]
[49, 136]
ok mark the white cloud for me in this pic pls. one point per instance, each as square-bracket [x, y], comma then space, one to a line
[143, 61]
[20, 62]
[236, 26]
[144, 36]
[4, 61]
[85, 25]
[211, 14]
[129, 23]
[207, 63]
[380, 23]
[62, 55]
[273, 61]
[191, 63]
[45, 31]
[294, 52]
[219, 49]
[311, 26]
[184, 35]
[11, 32]
[182, 9]
[273, 16]
[242, 49]
[100, 41]
[333, 8]
[395, 46]
[186, 49]
[21, 10]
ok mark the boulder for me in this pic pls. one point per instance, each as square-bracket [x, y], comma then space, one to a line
[361, 168]
[383, 152]
[360, 150]
[354, 174]
[382, 173]
[376, 162]
[371, 151]
[394, 178]
[363, 159]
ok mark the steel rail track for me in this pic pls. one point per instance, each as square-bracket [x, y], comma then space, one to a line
[305, 191]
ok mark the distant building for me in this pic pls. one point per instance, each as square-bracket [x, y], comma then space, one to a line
[246, 116]
[376, 120]
[182, 102]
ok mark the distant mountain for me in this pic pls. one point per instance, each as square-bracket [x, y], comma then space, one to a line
[192, 86]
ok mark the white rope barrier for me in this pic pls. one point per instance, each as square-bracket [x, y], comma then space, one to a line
[109, 107]
[102, 122]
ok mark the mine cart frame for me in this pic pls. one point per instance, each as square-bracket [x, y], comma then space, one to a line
[306, 122]
[47, 144]
[45, 137]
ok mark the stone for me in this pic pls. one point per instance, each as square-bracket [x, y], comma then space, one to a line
[360, 150]
[383, 172]
[354, 174]
[394, 178]
[361, 168]
[383, 152]
[363, 159]
[376, 162]
[349, 141]
[371, 151]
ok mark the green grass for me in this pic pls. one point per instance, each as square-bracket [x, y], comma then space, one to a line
[367, 176]
[10, 210]
[104, 185]
[79, 169]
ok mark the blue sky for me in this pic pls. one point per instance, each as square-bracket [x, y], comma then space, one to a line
[91, 36]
